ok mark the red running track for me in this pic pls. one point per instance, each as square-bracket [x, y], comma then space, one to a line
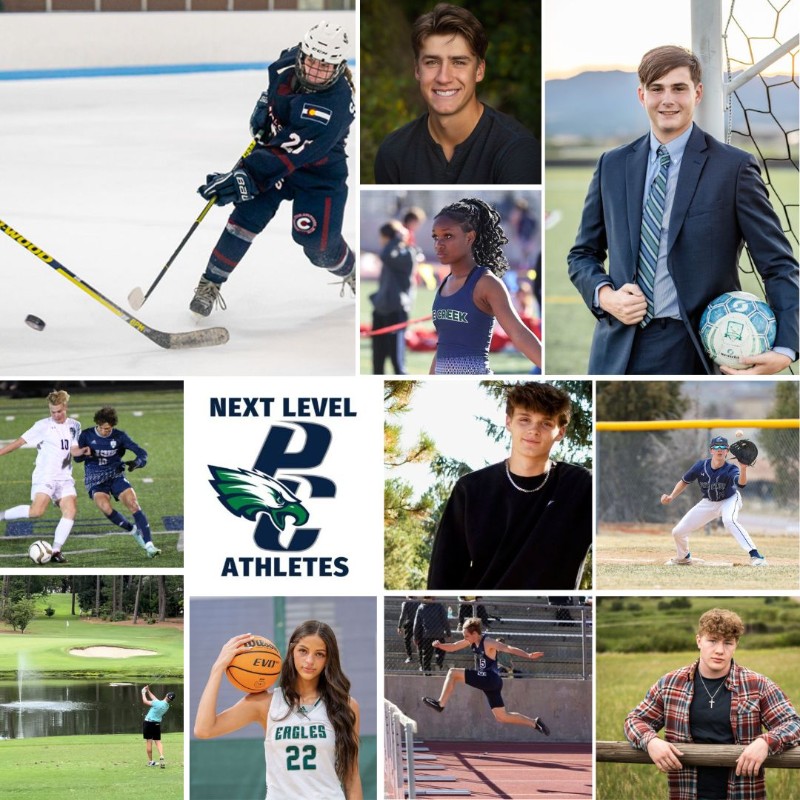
[512, 770]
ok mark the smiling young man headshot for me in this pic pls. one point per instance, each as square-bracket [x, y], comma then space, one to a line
[670, 213]
[714, 701]
[458, 139]
[525, 523]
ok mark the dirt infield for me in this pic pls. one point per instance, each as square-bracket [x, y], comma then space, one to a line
[492, 770]
[632, 557]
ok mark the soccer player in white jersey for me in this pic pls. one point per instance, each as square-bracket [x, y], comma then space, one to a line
[52, 476]
[310, 720]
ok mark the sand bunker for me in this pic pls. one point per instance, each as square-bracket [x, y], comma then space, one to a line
[100, 651]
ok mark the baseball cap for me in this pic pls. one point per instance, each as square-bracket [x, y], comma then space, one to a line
[170, 696]
[719, 442]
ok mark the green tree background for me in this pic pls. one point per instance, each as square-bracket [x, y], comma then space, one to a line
[410, 523]
[389, 96]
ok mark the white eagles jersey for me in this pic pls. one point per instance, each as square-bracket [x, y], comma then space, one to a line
[300, 750]
[53, 441]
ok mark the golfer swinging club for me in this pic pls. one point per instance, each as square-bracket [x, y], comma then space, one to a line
[151, 729]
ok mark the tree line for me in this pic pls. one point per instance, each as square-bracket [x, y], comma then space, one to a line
[112, 597]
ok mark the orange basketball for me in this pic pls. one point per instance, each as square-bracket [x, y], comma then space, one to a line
[256, 669]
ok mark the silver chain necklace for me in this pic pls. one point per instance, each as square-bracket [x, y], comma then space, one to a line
[528, 491]
[710, 696]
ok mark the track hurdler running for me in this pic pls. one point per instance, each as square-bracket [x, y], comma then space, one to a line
[301, 123]
[719, 481]
[485, 676]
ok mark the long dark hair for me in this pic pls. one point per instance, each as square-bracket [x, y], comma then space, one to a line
[334, 690]
[476, 215]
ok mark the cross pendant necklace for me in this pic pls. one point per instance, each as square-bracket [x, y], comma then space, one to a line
[710, 696]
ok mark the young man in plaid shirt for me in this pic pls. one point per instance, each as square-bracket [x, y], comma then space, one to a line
[714, 701]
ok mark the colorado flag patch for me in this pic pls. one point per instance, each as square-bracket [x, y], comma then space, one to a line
[316, 113]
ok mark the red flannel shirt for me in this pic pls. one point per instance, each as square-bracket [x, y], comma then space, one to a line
[755, 702]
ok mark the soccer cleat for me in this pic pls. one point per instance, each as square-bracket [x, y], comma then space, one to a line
[434, 704]
[58, 557]
[758, 561]
[541, 726]
[137, 535]
[152, 764]
[162, 763]
[151, 550]
[206, 296]
[673, 562]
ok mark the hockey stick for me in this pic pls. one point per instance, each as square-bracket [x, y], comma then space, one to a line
[137, 298]
[206, 337]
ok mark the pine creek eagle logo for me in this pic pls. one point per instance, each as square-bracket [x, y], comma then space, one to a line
[248, 493]
[267, 493]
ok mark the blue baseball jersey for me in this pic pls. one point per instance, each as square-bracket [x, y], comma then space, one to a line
[308, 130]
[108, 452]
[715, 484]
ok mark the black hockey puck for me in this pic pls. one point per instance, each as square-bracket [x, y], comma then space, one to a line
[34, 322]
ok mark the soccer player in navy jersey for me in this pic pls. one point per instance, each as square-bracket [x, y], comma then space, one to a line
[102, 448]
[301, 123]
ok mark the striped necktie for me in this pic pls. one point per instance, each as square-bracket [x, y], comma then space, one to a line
[652, 217]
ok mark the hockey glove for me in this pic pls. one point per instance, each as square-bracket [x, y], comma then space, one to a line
[229, 187]
[133, 464]
[260, 116]
[744, 451]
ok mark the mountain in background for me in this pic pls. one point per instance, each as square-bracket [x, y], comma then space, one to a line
[603, 105]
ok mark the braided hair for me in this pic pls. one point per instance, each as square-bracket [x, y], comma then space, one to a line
[476, 215]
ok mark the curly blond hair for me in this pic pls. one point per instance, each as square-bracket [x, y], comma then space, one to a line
[721, 623]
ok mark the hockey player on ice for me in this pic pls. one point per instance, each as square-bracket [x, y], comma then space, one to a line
[301, 124]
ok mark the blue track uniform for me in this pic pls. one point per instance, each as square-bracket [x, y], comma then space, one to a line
[104, 471]
[485, 676]
[301, 157]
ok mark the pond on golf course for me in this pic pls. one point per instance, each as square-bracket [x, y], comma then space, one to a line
[72, 707]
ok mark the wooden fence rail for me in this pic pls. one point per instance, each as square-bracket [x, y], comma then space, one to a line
[695, 755]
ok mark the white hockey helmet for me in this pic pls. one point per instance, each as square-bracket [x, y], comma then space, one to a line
[326, 43]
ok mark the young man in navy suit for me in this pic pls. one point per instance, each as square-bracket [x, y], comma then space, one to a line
[711, 200]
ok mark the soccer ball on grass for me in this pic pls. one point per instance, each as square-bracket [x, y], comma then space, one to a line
[40, 552]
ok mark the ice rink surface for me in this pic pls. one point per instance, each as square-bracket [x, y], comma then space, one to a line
[101, 173]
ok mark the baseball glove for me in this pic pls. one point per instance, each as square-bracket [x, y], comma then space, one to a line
[744, 451]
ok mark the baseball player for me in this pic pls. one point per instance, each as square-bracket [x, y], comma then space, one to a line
[719, 481]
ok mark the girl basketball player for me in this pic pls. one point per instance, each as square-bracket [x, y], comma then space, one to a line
[468, 238]
[311, 722]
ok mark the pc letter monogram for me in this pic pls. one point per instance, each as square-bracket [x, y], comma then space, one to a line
[285, 490]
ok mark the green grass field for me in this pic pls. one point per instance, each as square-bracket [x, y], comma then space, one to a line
[45, 645]
[635, 560]
[568, 323]
[623, 680]
[419, 363]
[112, 766]
[153, 420]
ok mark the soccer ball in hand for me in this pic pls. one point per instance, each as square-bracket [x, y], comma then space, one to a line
[40, 552]
[735, 325]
